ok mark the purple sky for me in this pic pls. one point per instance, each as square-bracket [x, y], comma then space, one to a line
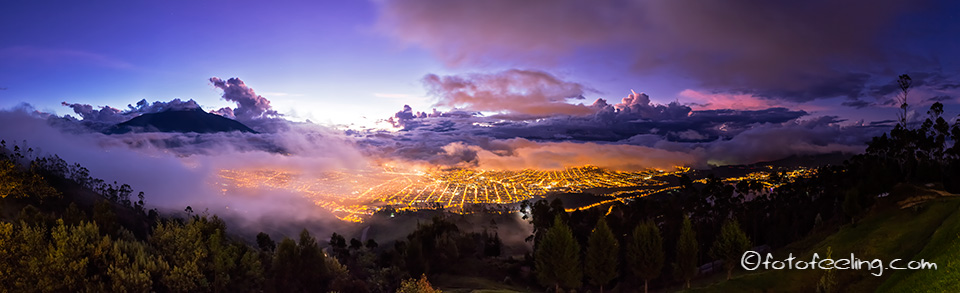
[339, 61]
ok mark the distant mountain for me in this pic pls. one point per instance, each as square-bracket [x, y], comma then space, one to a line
[192, 120]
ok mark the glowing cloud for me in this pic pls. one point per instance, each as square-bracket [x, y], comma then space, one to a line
[514, 91]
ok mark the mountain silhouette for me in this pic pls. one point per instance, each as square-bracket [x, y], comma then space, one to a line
[191, 120]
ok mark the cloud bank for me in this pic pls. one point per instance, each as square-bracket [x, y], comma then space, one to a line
[632, 134]
[796, 51]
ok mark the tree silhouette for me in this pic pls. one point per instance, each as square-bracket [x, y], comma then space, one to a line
[602, 252]
[265, 243]
[645, 255]
[557, 257]
[903, 83]
[687, 248]
[730, 246]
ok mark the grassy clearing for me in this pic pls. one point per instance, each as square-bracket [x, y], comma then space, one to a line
[466, 284]
[943, 249]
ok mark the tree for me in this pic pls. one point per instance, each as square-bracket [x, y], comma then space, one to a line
[851, 204]
[312, 271]
[687, 248]
[223, 258]
[8, 260]
[903, 82]
[285, 262]
[602, 253]
[184, 249]
[355, 244]
[557, 258]
[104, 216]
[265, 243]
[134, 268]
[645, 252]
[417, 286]
[339, 246]
[371, 244]
[73, 215]
[730, 246]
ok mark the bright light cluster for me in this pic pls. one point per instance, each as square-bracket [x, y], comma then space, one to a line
[353, 195]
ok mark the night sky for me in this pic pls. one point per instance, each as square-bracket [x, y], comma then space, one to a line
[339, 61]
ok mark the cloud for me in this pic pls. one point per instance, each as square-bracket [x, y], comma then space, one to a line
[635, 115]
[250, 106]
[939, 98]
[639, 105]
[716, 101]
[769, 142]
[776, 49]
[522, 92]
[614, 136]
[859, 104]
[106, 116]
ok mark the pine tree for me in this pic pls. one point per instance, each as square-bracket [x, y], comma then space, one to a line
[285, 262]
[687, 248]
[645, 252]
[730, 245]
[558, 257]
[602, 255]
[312, 271]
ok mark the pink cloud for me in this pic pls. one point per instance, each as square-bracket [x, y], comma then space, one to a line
[524, 92]
[715, 101]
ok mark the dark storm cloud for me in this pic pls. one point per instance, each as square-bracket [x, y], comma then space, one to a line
[793, 50]
[850, 86]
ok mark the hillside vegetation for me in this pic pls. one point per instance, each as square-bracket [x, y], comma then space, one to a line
[927, 230]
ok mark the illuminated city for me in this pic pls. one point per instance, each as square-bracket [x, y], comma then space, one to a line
[351, 196]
